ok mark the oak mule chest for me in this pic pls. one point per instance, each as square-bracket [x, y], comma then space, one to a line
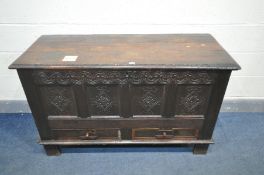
[125, 89]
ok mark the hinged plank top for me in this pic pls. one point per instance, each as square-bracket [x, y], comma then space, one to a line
[179, 51]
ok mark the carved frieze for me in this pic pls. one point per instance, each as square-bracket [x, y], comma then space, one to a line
[122, 77]
[79, 77]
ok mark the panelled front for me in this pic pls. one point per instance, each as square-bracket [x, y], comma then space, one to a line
[149, 93]
[114, 95]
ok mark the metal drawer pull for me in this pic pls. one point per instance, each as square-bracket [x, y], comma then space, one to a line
[90, 135]
[164, 136]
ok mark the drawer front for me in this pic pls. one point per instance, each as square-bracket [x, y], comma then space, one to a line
[65, 128]
[159, 133]
[88, 134]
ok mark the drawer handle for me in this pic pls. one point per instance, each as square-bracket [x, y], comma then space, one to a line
[164, 136]
[90, 135]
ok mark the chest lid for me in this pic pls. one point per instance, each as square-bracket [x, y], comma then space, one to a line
[162, 51]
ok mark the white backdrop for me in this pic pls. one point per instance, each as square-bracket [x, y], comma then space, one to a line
[237, 24]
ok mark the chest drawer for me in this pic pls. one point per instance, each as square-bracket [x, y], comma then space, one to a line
[160, 133]
[87, 134]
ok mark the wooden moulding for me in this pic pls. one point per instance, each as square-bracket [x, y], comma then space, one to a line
[124, 142]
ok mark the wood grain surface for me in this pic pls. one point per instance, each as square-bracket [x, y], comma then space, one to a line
[200, 51]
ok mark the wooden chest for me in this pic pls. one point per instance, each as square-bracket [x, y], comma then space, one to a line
[125, 89]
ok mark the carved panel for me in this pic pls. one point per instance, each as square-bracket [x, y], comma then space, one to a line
[192, 99]
[121, 77]
[147, 100]
[103, 100]
[58, 100]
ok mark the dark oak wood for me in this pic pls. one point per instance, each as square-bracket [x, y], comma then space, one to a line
[37, 108]
[189, 51]
[64, 122]
[125, 89]
[124, 142]
[200, 148]
[52, 150]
